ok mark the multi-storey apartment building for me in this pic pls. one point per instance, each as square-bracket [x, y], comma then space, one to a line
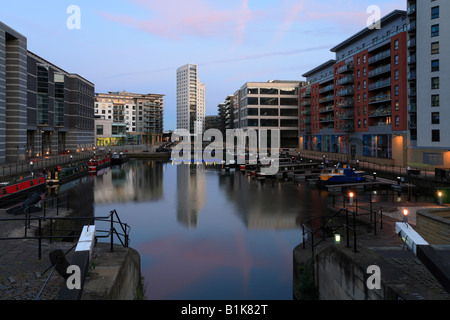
[271, 105]
[356, 104]
[428, 82]
[44, 110]
[226, 114]
[191, 102]
[142, 114]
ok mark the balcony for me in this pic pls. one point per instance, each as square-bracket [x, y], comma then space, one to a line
[327, 99]
[306, 94]
[347, 128]
[306, 112]
[346, 116]
[411, 9]
[412, 75]
[383, 97]
[412, 59]
[411, 26]
[305, 103]
[348, 103]
[326, 109]
[380, 112]
[412, 43]
[346, 79]
[346, 68]
[379, 71]
[305, 121]
[326, 119]
[412, 92]
[412, 108]
[380, 84]
[380, 56]
[326, 89]
[412, 124]
[346, 92]
[306, 129]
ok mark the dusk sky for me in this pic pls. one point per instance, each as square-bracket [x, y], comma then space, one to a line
[137, 45]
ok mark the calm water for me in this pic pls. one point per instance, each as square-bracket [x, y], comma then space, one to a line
[206, 234]
[203, 234]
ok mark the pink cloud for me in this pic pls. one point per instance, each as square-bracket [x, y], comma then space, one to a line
[177, 18]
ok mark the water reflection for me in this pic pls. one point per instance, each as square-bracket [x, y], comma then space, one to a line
[191, 194]
[138, 181]
[207, 234]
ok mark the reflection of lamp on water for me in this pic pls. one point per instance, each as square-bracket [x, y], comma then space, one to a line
[405, 215]
[440, 198]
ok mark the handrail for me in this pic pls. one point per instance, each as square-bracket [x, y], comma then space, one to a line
[113, 218]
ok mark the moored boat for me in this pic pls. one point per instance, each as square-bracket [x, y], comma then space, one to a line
[342, 175]
[97, 164]
[20, 188]
[60, 175]
[119, 158]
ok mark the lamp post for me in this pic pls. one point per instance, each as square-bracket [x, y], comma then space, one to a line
[374, 176]
[405, 215]
[351, 195]
[440, 198]
[31, 167]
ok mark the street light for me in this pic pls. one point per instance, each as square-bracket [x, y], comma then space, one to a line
[405, 215]
[337, 238]
[351, 195]
[440, 198]
[374, 176]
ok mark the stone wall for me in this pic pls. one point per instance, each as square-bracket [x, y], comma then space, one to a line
[434, 226]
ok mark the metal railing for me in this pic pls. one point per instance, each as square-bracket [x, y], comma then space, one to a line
[354, 216]
[42, 227]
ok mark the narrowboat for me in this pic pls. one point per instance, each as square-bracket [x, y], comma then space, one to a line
[342, 175]
[19, 189]
[61, 175]
[99, 163]
[119, 158]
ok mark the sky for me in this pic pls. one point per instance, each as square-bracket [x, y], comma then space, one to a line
[137, 45]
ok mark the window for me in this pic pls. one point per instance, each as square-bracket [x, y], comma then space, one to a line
[397, 73]
[269, 91]
[396, 90]
[435, 30]
[397, 121]
[435, 48]
[396, 44]
[396, 59]
[99, 130]
[435, 83]
[435, 101]
[397, 105]
[435, 135]
[435, 12]
[434, 65]
[435, 118]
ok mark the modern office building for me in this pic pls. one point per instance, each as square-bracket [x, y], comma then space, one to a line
[141, 114]
[271, 105]
[429, 82]
[356, 104]
[191, 103]
[44, 110]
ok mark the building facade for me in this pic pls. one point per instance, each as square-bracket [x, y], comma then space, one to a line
[44, 110]
[191, 103]
[142, 115]
[429, 82]
[356, 104]
[271, 105]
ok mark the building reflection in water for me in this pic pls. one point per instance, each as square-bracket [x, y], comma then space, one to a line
[135, 181]
[191, 193]
[270, 204]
